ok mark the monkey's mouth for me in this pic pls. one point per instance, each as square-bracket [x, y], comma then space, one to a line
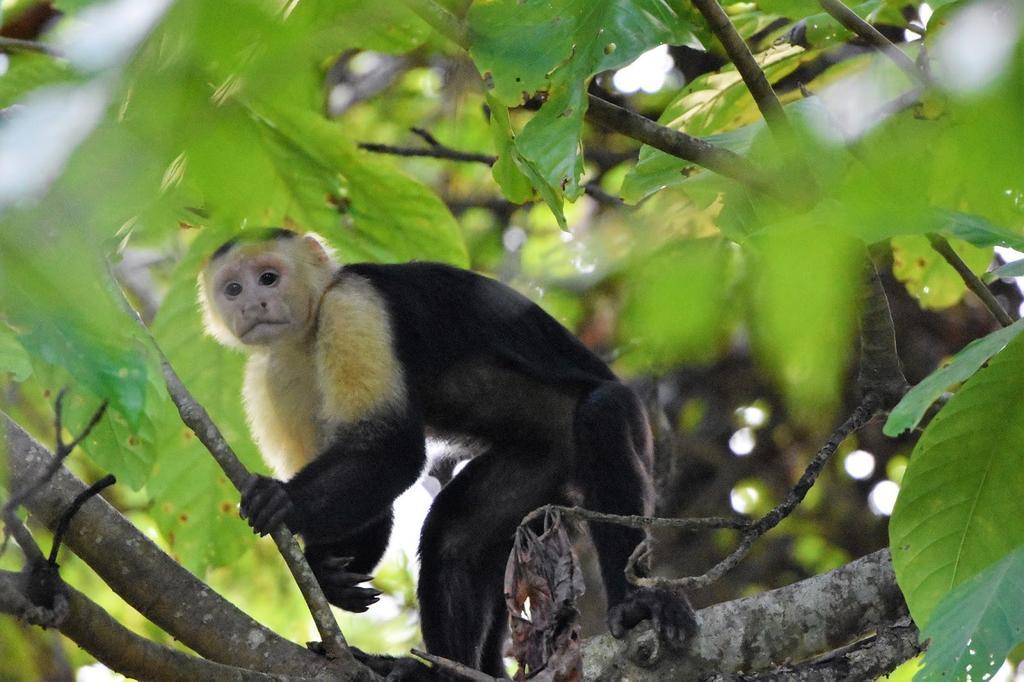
[261, 323]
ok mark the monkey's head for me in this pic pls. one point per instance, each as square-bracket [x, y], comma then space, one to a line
[264, 287]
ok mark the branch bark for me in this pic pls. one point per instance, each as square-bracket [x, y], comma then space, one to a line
[152, 582]
[871, 35]
[753, 76]
[792, 623]
[118, 648]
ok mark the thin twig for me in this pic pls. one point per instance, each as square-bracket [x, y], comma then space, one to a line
[61, 451]
[441, 151]
[27, 46]
[850, 21]
[454, 667]
[199, 422]
[433, 152]
[943, 247]
[746, 65]
[864, 412]
[69, 513]
[634, 521]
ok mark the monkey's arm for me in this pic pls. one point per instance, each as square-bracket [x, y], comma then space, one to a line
[349, 485]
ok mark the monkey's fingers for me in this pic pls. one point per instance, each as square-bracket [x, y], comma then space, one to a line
[354, 599]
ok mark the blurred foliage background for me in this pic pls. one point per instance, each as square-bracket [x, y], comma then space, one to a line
[138, 134]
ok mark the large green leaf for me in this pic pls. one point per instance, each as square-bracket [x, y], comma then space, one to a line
[676, 303]
[802, 311]
[961, 492]
[960, 368]
[976, 625]
[555, 49]
[387, 215]
[27, 71]
[14, 359]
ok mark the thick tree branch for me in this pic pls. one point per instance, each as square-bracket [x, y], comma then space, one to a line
[133, 566]
[753, 634]
[880, 372]
[871, 35]
[943, 247]
[118, 648]
[867, 659]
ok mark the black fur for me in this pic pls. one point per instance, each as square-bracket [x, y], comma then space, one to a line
[479, 361]
[263, 234]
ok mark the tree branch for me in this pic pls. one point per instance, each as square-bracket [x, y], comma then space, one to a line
[132, 566]
[440, 151]
[753, 76]
[681, 145]
[118, 648]
[871, 35]
[943, 247]
[792, 623]
[17, 44]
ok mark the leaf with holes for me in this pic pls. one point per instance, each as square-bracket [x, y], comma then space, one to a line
[960, 498]
[976, 625]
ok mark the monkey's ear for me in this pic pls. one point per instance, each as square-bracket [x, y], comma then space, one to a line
[316, 248]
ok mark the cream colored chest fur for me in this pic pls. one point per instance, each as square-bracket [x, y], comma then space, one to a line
[298, 397]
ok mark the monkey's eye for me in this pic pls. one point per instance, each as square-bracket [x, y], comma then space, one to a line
[268, 278]
[232, 289]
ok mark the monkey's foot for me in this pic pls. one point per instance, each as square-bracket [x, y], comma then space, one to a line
[340, 585]
[669, 611]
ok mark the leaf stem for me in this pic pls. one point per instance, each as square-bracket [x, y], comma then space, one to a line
[943, 247]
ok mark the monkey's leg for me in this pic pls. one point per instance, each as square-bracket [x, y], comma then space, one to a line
[465, 545]
[342, 564]
[613, 464]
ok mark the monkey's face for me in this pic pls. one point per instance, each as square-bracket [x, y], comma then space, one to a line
[260, 294]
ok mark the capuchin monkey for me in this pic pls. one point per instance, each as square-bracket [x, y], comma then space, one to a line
[351, 367]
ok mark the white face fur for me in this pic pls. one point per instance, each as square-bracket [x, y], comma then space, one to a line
[258, 294]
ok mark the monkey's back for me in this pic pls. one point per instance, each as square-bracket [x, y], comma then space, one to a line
[473, 344]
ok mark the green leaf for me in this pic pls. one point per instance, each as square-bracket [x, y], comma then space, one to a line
[1013, 269]
[28, 71]
[556, 48]
[13, 357]
[802, 311]
[960, 368]
[388, 215]
[927, 275]
[978, 230]
[962, 487]
[515, 184]
[675, 304]
[976, 625]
